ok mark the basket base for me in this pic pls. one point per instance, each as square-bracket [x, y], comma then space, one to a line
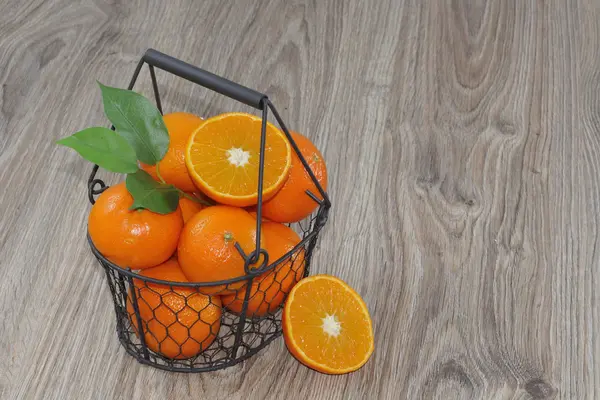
[127, 345]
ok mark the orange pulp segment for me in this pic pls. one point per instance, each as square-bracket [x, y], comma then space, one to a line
[222, 157]
[326, 325]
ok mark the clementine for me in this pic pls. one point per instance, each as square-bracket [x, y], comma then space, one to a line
[178, 322]
[291, 203]
[206, 250]
[180, 126]
[189, 207]
[326, 325]
[132, 238]
[268, 290]
[222, 157]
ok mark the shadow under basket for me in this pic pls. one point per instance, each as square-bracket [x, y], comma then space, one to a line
[197, 327]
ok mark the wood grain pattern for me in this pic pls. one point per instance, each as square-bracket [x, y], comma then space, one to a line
[463, 145]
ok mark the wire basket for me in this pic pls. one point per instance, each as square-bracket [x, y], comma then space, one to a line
[205, 326]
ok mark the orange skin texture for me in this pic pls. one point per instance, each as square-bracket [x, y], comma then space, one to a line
[269, 290]
[178, 322]
[132, 238]
[289, 343]
[172, 167]
[206, 250]
[291, 203]
[189, 208]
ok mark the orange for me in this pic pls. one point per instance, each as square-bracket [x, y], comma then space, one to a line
[178, 322]
[326, 325]
[132, 238]
[172, 167]
[189, 208]
[222, 157]
[269, 289]
[291, 203]
[206, 250]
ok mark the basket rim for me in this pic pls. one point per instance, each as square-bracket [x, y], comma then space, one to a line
[254, 273]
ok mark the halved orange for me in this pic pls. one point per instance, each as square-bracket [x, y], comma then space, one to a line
[326, 325]
[222, 157]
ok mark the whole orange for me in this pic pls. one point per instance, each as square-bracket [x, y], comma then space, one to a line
[172, 167]
[189, 208]
[268, 290]
[206, 250]
[132, 238]
[291, 203]
[178, 321]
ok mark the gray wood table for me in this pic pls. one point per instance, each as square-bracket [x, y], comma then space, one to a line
[463, 145]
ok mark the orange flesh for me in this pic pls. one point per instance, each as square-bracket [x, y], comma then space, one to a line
[327, 325]
[223, 158]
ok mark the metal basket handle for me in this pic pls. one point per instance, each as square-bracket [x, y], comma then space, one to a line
[204, 78]
[243, 94]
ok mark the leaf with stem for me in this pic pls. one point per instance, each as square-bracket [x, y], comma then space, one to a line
[151, 195]
[103, 147]
[138, 121]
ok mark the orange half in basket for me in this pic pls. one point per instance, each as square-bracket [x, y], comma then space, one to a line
[222, 157]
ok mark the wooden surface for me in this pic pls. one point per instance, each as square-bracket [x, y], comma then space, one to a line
[463, 144]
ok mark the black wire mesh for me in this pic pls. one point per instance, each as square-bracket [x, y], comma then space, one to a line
[196, 327]
[199, 327]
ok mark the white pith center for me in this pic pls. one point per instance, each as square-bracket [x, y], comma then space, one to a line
[331, 325]
[238, 157]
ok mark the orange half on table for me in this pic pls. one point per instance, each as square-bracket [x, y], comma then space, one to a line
[326, 325]
[222, 157]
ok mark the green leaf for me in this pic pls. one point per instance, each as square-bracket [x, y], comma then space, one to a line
[151, 195]
[138, 121]
[103, 147]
